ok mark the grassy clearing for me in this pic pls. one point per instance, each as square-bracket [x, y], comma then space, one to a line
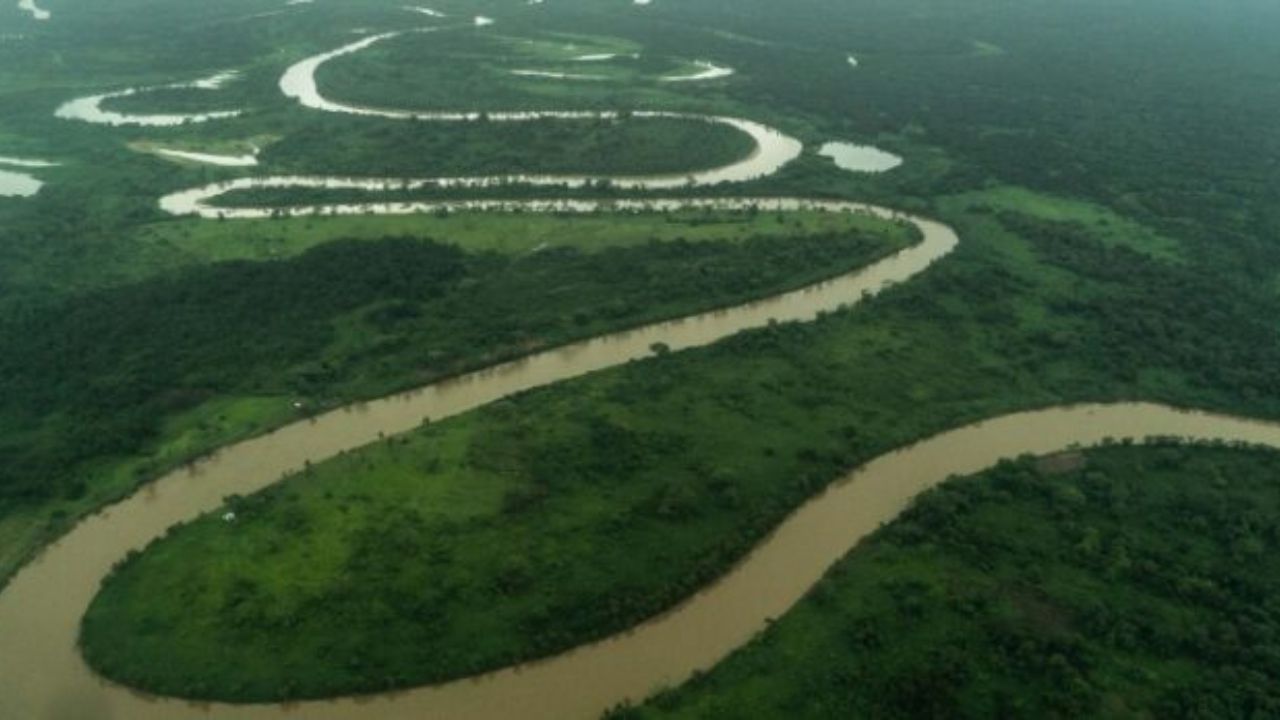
[1101, 222]
[198, 241]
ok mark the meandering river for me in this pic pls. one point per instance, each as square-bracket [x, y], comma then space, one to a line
[89, 109]
[43, 676]
[773, 150]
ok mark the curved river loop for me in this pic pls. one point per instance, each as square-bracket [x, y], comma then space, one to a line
[43, 676]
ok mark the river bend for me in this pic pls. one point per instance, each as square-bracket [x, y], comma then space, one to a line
[43, 676]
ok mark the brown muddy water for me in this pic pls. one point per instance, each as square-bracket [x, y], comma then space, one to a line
[43, 676]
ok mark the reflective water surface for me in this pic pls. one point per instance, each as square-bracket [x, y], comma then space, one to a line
[860, 158]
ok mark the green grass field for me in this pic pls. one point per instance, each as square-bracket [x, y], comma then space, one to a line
[197, 241]
[1100, 221]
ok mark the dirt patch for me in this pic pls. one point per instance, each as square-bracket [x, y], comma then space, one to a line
[1061, 463]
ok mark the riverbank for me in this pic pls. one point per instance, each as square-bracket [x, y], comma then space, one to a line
[261, 462]
[1081, 321]
[541, 524]
[1124, 581]
[464, 307]
[701, 632]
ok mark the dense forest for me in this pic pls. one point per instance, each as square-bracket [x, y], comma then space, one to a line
[1109, 166]
[98, 378]
[573, 512]
[1125, 582]
[448, 70]
[1161, 110]
[600, 147]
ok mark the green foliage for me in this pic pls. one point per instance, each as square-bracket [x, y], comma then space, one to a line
[96, 379]
[570, 513]
[1110, 167]
[451, 70]
[379, 148]
[199, 242]
[1138, 584]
